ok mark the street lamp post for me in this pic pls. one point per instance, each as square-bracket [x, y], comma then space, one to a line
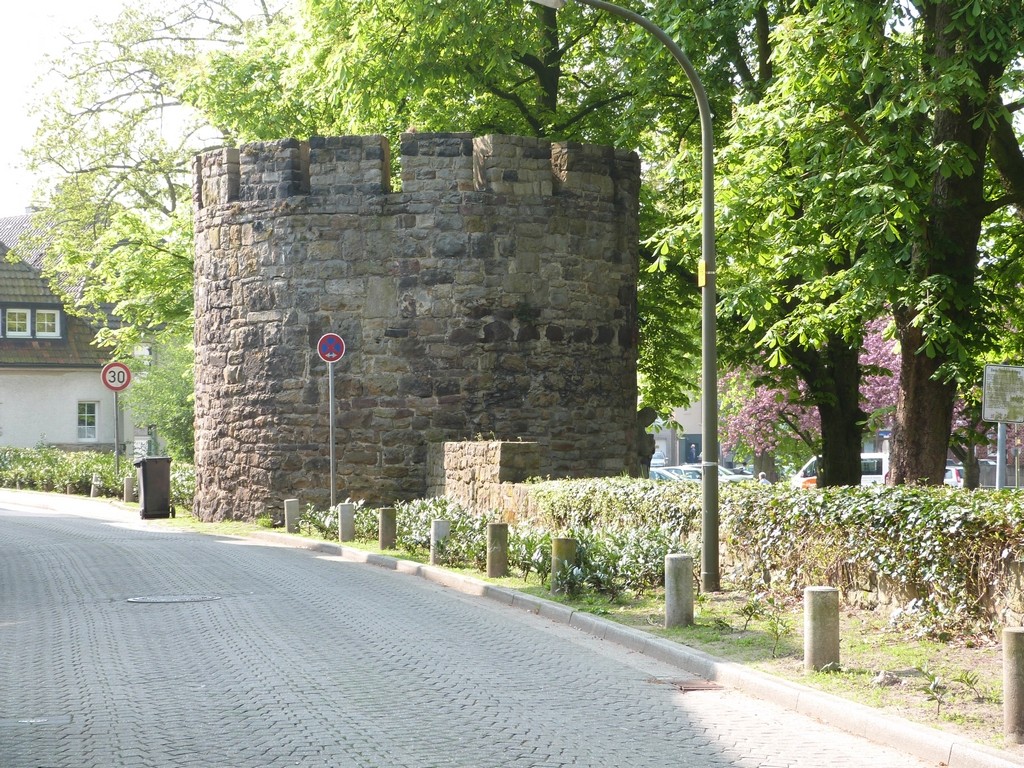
[710, 581]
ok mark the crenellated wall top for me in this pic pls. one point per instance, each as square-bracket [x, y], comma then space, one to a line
[430, 164]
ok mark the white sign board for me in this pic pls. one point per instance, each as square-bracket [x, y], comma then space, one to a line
[1002, 394]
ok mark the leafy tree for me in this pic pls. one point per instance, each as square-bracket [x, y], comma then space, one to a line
[769, 421]
[113, 151]
[763, 422]
[162, 393]
[861, 182]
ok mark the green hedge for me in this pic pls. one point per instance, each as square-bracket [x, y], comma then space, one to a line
[568, 505]
[43, 469]
[946, 552]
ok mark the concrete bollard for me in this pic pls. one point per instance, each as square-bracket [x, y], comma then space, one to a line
[387, 528]
[563, 553]
[291, 515]
[678, 590]
[439, 531]
[821, 628]
[129, 489]
[346, 521]
[497, 550]
[1013, 684]
[94, 490]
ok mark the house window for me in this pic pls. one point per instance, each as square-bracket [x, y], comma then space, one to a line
[87, 420]
[16, 321]
[47, 323]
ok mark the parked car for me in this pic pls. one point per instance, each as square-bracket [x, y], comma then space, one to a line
[726, 475]
[658, 459]
[874, 467]
[689, 472]
[695, 472]
[662, 473]
[954, 476]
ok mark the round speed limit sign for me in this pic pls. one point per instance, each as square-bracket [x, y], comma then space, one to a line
[116, 376]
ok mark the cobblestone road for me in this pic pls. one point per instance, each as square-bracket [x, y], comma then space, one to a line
[306, 660]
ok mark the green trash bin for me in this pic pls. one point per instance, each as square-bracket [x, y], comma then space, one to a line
[154, 487]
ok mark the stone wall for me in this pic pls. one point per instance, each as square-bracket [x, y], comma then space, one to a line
[484, 475]
[494, 295]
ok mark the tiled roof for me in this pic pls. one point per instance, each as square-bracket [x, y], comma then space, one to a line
[20, 282]
[12, 230]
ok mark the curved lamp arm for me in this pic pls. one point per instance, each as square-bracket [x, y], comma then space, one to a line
[710, 580]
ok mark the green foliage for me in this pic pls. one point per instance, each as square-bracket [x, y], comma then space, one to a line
[324, 523]
[754, 608]
[620, 557]
[969, 680]
[49, 469]
[366, 521]
[319, 522]
[778, 624]
[942, 549]
[626, 502]
[934, 688]
[183, 484]
[162, 393]
[529, 551]
[466, 544]
[570, 580]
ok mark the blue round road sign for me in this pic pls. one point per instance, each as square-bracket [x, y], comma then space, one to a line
[331, 347]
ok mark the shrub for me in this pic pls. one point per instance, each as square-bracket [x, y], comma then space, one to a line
[529, 550]
[45, 468]
[946, 550]
[466, 544]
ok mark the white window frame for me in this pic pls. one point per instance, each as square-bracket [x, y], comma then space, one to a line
[44, 313]
[88, 433]
[27, 333]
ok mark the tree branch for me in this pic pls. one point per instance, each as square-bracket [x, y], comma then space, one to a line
[1009, 160]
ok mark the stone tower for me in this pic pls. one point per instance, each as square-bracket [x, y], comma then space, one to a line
[493, 296]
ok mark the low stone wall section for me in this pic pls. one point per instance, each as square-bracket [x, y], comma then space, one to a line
[485, 476]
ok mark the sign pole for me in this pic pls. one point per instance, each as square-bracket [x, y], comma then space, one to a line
[1001, 455]
[331, 348]
[116, 377]
[330, 395]
[117, 435]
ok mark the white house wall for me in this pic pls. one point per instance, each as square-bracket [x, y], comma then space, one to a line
[42, 408]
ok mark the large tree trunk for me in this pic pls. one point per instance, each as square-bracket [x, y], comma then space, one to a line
[924, 414]
[833, 377]
[947, 249]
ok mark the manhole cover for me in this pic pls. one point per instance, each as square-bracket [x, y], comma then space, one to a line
[174, 599]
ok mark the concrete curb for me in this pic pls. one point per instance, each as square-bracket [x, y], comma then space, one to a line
[920, 741]
[926, 743]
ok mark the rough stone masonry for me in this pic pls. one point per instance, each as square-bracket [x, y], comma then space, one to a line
[494, 296]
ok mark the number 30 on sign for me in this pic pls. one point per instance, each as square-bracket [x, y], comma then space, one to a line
[116, 376]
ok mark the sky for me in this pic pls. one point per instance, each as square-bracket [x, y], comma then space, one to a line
[30, 30]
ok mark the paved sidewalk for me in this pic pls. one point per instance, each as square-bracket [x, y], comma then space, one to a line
[245, 653]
